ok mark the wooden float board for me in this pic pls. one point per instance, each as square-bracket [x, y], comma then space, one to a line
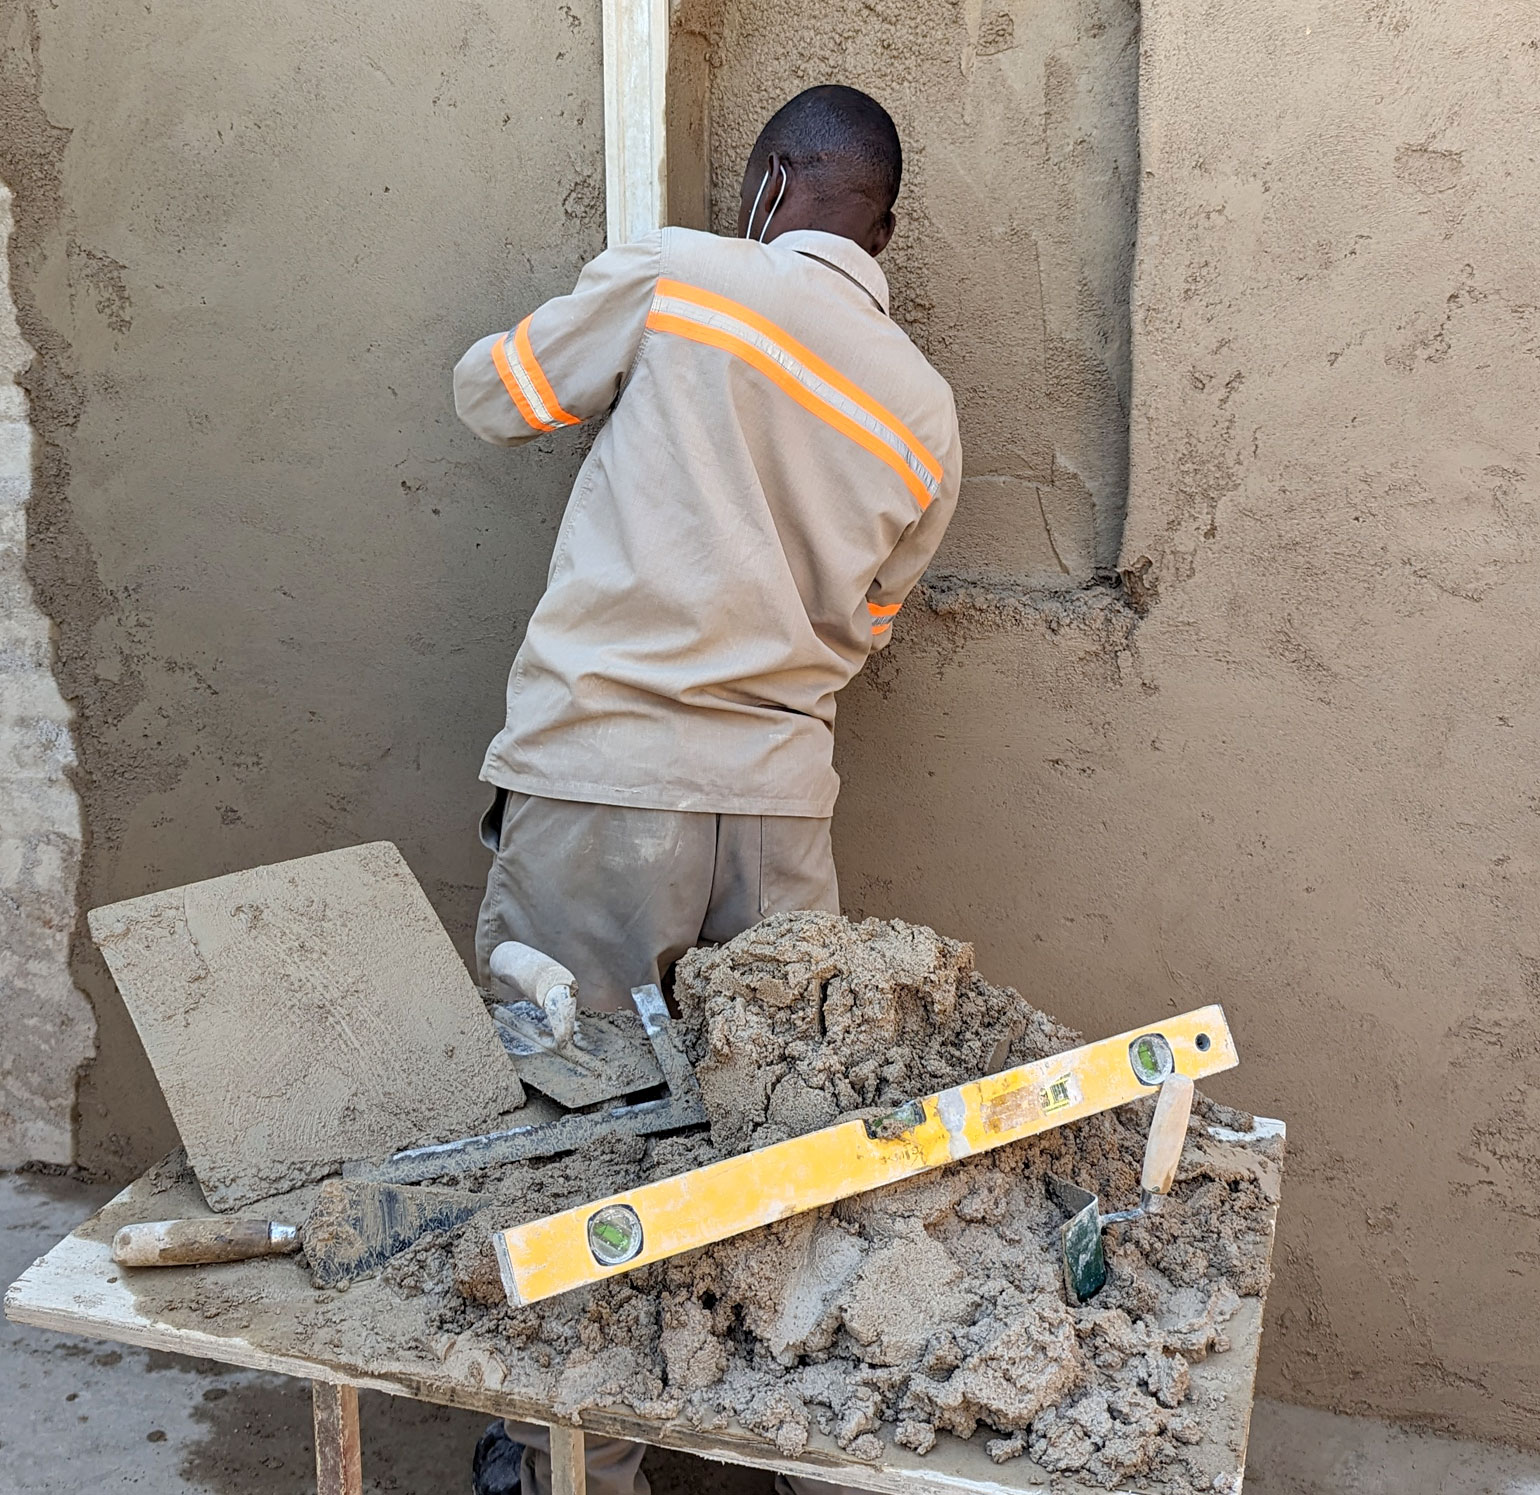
[303, 1014]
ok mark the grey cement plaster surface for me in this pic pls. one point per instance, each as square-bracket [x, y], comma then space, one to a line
[1302, 1451]
[287, 584]
[1336, 484]
[1010, 267]
[81, 1416]
[1304, 783]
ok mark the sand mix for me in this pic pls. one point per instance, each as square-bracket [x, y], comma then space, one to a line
[934, 1305]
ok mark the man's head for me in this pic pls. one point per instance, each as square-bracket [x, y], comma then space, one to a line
[829, 159]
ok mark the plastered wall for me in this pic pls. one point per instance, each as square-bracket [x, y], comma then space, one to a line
[251, 240]
[285, 586]
[1304, 784]
[1011, 263]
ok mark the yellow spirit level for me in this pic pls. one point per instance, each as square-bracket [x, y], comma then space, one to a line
[659, 1220]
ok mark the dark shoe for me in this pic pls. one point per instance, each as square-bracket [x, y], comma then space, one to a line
[495, 1467]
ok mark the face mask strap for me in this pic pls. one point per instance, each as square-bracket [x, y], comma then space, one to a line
[785, 182]
[764, 182]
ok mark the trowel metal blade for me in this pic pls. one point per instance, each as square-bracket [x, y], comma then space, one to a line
[610, 1058]
[356, 1227]
[1080, 1240]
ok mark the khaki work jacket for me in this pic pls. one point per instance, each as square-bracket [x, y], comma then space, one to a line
[777, 470]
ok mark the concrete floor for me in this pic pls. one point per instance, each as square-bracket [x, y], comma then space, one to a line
[77, 1416]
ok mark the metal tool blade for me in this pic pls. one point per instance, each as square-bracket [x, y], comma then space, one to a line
[356, 1227]
[468, 1154]
[609, 1058]
[1080, 1239]
[683, 1107]
[1085, 1263]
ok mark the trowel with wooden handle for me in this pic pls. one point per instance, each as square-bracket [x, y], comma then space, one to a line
[201, 1241]
[1080, 1239]
[354, 1229]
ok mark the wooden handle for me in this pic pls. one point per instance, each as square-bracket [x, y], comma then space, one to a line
[537, 978]
[185, 1243]
[1168, 1133]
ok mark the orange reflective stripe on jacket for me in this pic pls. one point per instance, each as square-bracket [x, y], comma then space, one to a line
[773, 468]
[537, 376]
[704, 317]
[526, 383]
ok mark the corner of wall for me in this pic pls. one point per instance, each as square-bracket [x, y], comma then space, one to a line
[49, 1027]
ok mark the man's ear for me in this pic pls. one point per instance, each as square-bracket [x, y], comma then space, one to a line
[772, 189]
[881, 232]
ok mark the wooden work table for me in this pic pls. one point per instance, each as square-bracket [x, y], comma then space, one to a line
[267, 1315]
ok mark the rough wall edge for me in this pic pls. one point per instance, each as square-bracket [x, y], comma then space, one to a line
[48, 1022]
[979, 601]
[1139, 557]
[57, 567]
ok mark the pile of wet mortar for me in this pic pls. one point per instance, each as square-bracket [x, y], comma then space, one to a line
[933, 1305]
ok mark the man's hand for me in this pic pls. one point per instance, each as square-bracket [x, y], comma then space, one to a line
[524, 974]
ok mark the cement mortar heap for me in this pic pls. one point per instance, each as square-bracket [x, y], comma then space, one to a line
[934, 1305]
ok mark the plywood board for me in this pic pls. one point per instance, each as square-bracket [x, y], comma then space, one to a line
[303, 1014]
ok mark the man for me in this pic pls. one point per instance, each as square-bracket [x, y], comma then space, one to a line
[778, 467]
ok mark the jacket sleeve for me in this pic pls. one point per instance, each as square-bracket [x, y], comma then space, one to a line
[898, 574]
[567, 360]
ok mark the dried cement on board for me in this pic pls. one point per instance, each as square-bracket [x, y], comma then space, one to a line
[933, 1305]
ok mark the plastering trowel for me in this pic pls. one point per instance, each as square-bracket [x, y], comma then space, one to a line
[576, 1064]
[658, 1220]
[1080, 1239]
[354, 1229]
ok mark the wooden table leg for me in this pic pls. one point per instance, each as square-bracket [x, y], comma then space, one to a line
[569, 1473]
[338, 1461]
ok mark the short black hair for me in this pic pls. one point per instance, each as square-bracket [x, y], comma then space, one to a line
[842, 136]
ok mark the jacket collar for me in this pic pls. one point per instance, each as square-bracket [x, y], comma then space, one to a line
[844, 255]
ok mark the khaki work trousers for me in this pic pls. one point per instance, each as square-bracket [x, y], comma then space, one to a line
[617, 895]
